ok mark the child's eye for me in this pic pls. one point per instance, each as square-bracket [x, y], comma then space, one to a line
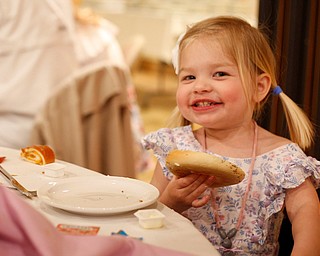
[220, 74]
[189, 77]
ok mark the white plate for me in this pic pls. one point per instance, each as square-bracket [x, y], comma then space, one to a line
[98, 195]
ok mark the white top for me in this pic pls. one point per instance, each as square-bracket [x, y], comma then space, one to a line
[37, 50]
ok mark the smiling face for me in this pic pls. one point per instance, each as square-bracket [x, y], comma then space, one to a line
[210, 91]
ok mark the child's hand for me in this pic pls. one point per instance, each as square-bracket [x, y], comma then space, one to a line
[183, 193]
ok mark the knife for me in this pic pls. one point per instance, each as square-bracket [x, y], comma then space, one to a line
[17, 185]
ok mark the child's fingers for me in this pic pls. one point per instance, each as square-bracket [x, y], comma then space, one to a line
[201, 201]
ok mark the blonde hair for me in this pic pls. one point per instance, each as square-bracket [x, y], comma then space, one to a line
[250, 51]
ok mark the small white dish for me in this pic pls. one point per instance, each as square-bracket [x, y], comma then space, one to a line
[150, 218]
[54, 170]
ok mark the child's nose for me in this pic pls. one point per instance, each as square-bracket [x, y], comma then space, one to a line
[202, 86]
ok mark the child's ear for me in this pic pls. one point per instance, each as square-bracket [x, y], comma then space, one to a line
[264, 84]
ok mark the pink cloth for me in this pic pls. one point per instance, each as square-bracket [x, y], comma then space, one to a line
[24, 231]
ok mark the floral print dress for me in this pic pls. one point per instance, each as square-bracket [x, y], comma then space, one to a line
[275, 171]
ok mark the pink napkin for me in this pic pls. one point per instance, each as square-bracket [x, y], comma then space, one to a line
[24, 231]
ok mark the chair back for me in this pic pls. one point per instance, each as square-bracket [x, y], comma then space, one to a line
[87, 121]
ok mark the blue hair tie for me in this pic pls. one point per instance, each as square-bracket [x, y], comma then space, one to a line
[277, 90]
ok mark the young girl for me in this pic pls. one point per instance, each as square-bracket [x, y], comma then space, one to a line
[226, 72]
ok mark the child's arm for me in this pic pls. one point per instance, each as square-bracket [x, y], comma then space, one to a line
[302, 206]
[158, 179]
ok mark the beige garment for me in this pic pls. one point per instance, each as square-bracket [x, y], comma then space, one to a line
[88, 122]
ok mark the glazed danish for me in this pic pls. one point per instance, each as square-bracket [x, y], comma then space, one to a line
[38, 154]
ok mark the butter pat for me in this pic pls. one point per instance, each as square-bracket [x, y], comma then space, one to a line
[150, 218]
[54, 170]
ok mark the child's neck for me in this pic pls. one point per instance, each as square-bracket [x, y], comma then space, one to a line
[235, 143]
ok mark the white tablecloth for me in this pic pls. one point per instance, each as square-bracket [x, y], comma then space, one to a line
[178, 233]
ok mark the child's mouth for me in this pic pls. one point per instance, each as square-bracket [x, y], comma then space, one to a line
[204, 104]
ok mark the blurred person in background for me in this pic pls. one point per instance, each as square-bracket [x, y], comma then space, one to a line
[42, 44]
[37, 52]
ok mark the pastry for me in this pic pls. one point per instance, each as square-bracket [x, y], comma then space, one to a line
[184, 162]
[38, 154]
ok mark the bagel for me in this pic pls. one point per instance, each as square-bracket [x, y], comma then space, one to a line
[38, 154]
[185, 162]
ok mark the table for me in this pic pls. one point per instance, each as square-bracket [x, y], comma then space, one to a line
[178, 233]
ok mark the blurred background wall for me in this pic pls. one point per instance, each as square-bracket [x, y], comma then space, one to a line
[161, 22]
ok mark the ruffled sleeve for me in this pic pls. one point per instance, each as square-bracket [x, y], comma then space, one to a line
[291, 169]
[302, 169]
[164, 140]
[161, 142]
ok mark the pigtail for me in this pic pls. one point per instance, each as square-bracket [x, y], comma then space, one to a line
[300, 127]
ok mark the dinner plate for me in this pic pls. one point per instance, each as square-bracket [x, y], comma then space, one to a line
[98, 195]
